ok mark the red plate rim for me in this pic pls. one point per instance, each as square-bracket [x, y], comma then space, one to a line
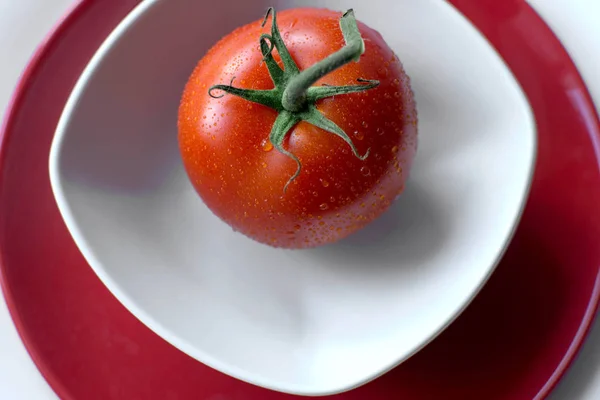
[469, 10]
[35, 62]
[466, 7]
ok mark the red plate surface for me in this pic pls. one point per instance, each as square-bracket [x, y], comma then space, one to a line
[513, 342]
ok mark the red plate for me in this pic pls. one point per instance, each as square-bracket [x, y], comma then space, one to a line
[514, 341]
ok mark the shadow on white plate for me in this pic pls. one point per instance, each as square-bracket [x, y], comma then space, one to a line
[404, 237]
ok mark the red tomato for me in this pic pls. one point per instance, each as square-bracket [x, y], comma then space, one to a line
[240, 168]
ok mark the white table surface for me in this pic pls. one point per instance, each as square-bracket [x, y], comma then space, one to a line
[23, 23]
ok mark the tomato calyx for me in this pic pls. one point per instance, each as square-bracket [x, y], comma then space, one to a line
[293, 95]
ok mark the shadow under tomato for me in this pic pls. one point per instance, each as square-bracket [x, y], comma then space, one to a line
[408, 232]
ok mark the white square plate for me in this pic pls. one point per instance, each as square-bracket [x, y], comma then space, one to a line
[308, 322]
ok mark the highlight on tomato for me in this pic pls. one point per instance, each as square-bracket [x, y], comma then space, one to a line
[301, 134]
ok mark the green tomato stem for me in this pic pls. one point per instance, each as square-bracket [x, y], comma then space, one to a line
[293, 96]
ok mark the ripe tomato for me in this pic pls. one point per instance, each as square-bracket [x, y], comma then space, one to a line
[282, 171]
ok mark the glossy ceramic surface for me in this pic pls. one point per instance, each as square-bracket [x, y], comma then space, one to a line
[516, 339]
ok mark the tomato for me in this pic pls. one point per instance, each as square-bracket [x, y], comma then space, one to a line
[292, 149]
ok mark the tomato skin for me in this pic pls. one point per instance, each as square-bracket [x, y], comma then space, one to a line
[240, 176]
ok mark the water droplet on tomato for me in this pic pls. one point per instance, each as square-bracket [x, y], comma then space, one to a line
[359, 135]
[382, 72]
[332, 199]
[397, 94]
[315, 194]
[267, 145]
[324, 206]
[365, 124]
[365, 171]
[396, 81]
[324, 183]
[395, 149]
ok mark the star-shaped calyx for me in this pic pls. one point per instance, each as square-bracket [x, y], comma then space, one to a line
[293, 95]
